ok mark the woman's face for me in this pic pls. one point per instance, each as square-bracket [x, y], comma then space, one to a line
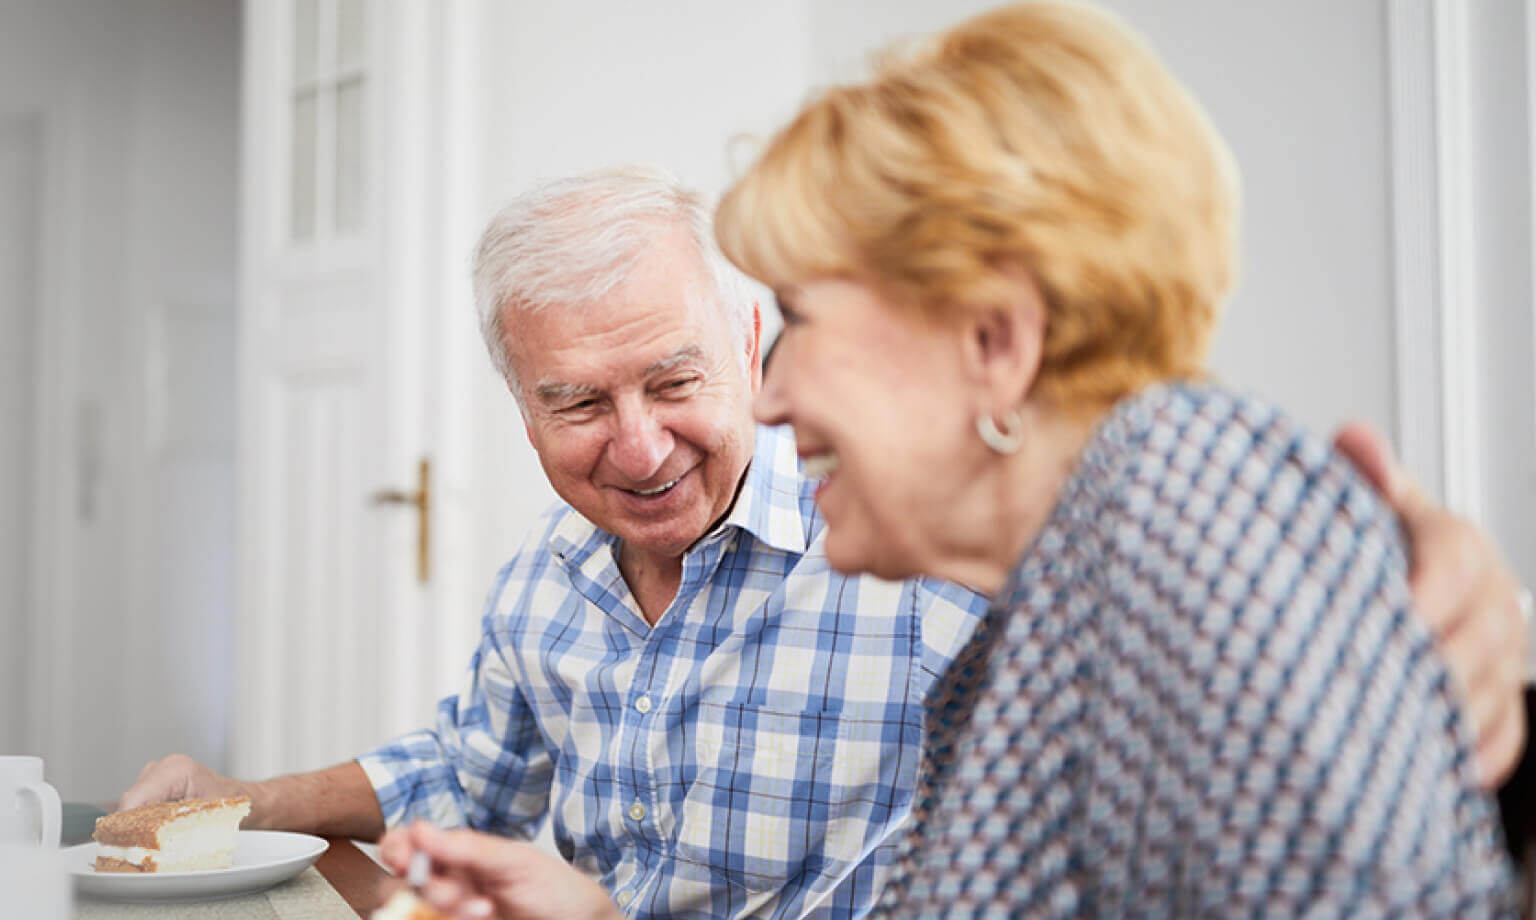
[881, 411]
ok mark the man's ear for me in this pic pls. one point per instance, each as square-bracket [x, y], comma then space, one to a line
[1003, 343]
[755, 349]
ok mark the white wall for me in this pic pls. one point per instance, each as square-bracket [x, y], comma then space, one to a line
[65, 67]
[180, 253]
[138, 107]
[21, 170]
[1300, 94]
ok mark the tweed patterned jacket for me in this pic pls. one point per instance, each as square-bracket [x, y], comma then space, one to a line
[1202, 694]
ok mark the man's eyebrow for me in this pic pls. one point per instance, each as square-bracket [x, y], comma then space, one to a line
[552, 392]
[687, 353]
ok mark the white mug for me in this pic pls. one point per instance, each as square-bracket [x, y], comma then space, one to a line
[29, 807]
[36, 883]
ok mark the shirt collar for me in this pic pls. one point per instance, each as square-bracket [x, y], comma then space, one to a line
[767, 507]
[769, 504]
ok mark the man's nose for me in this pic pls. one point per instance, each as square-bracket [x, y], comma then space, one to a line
[640, 445]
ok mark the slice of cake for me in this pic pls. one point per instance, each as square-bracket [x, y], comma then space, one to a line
[170, 836]
[404, 905]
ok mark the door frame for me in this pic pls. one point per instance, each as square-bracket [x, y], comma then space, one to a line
[1439, 427]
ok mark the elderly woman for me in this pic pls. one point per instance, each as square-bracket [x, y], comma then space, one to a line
[1200, 690]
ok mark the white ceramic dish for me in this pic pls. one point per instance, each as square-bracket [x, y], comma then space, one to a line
[262, 859]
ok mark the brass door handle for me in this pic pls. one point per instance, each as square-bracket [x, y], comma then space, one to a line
[421, 500]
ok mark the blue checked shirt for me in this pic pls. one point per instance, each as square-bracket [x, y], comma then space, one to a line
[750, 754]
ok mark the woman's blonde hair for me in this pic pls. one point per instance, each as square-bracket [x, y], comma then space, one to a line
[1039, 135]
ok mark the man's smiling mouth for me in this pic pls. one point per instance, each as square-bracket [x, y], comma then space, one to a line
[664, 487]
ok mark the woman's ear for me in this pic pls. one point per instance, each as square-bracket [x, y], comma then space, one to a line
[1003, 342]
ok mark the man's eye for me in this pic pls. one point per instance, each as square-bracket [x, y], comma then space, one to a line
[680, 385]
[586, 405]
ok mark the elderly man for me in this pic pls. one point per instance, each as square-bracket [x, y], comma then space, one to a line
[716, 722]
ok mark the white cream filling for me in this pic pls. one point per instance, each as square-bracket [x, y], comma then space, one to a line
[133, 855]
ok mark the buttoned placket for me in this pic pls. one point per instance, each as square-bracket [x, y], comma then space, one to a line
[644, 710]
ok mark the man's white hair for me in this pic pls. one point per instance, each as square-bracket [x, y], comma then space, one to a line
[566, 243]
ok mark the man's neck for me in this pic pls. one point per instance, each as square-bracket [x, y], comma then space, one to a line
[652, 579]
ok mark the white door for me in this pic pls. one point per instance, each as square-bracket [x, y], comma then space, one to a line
[341, 281]
[20, 226]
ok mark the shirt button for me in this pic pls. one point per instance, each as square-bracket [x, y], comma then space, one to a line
[625, 897]
[643, 704]
[637, 811]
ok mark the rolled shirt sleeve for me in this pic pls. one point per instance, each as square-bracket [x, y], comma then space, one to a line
[483, 765]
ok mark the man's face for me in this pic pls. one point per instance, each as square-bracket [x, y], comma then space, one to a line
[640, 406]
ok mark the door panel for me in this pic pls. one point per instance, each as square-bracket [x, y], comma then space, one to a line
[325, 566]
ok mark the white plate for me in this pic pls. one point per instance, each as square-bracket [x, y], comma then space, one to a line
[262, 859]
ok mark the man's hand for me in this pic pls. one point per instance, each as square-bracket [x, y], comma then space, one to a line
[475, 876]
[335, 802]
[178, 777]
[1470, 598]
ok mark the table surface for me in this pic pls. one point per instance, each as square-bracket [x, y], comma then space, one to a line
[359, 880]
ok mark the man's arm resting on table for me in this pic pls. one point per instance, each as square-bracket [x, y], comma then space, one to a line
[335, 802]
[338, 801]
